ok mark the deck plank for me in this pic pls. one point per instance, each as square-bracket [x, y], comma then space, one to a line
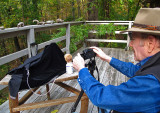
[108, 75]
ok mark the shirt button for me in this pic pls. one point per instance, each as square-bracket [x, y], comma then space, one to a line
[79, 80]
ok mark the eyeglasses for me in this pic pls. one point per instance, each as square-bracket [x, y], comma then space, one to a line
[130, 35]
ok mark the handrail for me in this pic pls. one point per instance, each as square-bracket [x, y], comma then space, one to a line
[129, 23]
[30, 31]
[15, 31]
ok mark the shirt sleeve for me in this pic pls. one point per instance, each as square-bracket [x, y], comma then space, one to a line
[127, 68]
[134, 95]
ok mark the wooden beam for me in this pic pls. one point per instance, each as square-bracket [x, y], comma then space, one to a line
[47, 103]
[66, 77]
[68, 39]
[42, 45]
[69, 88]
[5, 80]
[105, 40]
[116, 32]
[13, 56]
[48, 93]
[27, 96]
[15, 31]
[107, 22]
[12, 34]
[12, 104]
[84, 105]
[16, 55]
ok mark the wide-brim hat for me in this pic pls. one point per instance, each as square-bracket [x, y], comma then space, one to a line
[146, 21]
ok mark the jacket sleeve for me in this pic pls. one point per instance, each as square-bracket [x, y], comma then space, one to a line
[134, 95]
[126, 68]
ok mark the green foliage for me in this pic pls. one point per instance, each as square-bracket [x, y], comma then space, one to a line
[80, 19]
[4, 70]
[60, 32]
[55, 111]
[3, 95]
[101, 29]
[42, 37]
[69, 18]
[78, 33]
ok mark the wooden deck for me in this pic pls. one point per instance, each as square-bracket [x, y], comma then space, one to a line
[108, 75]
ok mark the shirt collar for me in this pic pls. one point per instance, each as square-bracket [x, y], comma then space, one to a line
[142, 62]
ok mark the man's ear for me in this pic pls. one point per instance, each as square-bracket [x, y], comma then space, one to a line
[151, 43]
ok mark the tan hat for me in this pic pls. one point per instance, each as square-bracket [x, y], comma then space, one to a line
[146, 21]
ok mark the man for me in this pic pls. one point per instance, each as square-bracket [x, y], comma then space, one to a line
[141, 93]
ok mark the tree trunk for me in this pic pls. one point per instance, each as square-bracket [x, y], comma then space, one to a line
[25, 9]
[83, 12]
[22, 10]
[73, 9]
[136, 10]
[154, 3]
[4, 47]
[128, 9]
[92, 11]
[79, 10]
[107, 6]
[58, 8]
[16, 43]
[5, 52]
[35, 9]
[92, 15]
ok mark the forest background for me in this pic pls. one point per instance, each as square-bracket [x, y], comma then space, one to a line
[14, 11]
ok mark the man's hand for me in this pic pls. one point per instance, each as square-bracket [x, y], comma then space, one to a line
[101, 54]
[78, 62]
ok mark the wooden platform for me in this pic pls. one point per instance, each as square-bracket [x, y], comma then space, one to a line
[108, 75]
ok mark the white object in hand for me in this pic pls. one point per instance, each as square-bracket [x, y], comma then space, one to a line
[69, 68]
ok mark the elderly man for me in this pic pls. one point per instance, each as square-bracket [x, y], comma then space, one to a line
[141, 93]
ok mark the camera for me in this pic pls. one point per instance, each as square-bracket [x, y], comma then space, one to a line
[91, 65]
[88, 54]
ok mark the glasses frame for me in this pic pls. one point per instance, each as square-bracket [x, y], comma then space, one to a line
[130, 35]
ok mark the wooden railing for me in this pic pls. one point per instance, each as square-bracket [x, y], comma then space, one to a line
[30, 31]
[128, 23]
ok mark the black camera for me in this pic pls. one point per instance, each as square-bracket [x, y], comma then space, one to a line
[88, 54]
[91, 65]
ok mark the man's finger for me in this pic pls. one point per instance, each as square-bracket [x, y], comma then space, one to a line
[79, 54]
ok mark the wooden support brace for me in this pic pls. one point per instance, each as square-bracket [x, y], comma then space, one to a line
[48, 93]
[26, 96]
[46, 103]
[84, 105]
[69, 88]
[12, 104]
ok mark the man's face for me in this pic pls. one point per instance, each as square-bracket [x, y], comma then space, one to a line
[138, 46]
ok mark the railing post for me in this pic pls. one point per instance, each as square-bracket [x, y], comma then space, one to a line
[128, 38]
[68, 39]
[84, 43]
[30, 40]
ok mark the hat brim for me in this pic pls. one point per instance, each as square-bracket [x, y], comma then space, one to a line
[133, 29]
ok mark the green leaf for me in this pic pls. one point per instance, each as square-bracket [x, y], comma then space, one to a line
[121, 1]
[55, 111]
